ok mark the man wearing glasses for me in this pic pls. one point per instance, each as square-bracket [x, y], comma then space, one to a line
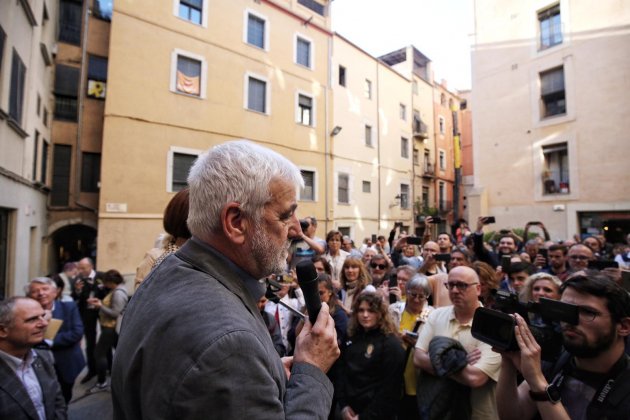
[579, 256]
[591, 379]
[455, 321]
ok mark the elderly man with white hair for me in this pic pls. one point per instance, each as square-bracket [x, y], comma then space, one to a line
[65, 346]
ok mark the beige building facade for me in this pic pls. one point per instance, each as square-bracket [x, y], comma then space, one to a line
[196, 77]
[27, 35]
[550, 115]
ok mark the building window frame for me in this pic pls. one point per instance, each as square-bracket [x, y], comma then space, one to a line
[404, 147]
[366, 187]
[170, 165]
[249, 13]
[442, 124]
[367, 89]
[267, 102]
[343, 190]
[175, 55]
[90, 172]
[17, 94]
[549, 27]
[203, 13]
[343, 72]
[403, 112]
[442, 159]
[404, 195]
[301, 115]
[300, 39]
[553, 93]
[368, 135]
[303, 193]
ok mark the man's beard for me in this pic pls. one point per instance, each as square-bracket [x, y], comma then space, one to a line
[268, 257]
[590, 350]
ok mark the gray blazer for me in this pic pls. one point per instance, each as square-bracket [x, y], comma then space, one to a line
[16, 404]
[194, 346]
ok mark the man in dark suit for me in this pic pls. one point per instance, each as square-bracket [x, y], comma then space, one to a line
[88, 285]
[66, 345]
[28, 384]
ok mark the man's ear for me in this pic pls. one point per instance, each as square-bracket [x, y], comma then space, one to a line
[235, 225]
[4, 331]
[623, 327]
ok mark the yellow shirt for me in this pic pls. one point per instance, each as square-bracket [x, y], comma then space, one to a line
[407, 322]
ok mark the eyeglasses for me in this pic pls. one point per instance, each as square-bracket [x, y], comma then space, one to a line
[380, 266]
[420, 296]
[579, 257]
[588, 314]
[460, 285]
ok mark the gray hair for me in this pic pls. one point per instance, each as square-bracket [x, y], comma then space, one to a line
[419, 281]
[238, 171]
[7, 317]
[407, 269]
[40, 280]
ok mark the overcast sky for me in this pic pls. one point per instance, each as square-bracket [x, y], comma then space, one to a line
[440, 29]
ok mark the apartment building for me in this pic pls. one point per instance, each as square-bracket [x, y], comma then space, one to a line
[199, 73]
[27, 35]
[550, 115]
[80, 91]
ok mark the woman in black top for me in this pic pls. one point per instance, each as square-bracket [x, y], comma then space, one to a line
[373, 360]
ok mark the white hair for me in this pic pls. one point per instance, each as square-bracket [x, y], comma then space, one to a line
[238, 171]
[40, 280]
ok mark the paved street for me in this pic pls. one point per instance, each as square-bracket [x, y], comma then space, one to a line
[97, 406]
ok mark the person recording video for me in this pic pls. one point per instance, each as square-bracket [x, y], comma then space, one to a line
[591, 379]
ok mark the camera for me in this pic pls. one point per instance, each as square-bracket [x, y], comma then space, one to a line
[443, 257]
[436, 219]
[496, 327]
[304, 224]
[489, 220]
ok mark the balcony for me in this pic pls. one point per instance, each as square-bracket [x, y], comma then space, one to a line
[420, 129]
[445, 206]
[428, 171]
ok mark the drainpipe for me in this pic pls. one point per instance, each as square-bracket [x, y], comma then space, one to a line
[378, 145]
[327, 134]
[77, 180]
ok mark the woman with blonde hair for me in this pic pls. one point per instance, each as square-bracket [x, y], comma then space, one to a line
[353, 278]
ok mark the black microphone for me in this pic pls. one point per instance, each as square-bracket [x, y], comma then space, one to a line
[307, 279]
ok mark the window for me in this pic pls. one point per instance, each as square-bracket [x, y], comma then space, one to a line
[442, 197]
[103, 9]
[414, 87]
[404, 147]
[16, 97]
[556, 169]
[416, 157]
[343, 188]
[550, 27]
[552, 92]
[188, 76]
[368, 89]
[425, 197]
[191, 10]
[442, 99]
[181, 166]
[90, 172]
[305, 110]
[342, 76]
[367, 187]
[442, 123]
[404, 196]
[256, 33]
[403, 112]
[44, 165]
[303, 52]
[344, 230]
[313, 5]
[368, 136]
[70, 16]
[97, 77]
[442, 157]
[66, 91]
[256, 94]
[39, 105]
[3, 37]
[308, 192]
[60, 191]
[45, 117]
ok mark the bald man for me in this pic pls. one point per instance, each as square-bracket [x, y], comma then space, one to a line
[455, 321]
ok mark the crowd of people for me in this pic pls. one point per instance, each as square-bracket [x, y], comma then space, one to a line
[394, 338]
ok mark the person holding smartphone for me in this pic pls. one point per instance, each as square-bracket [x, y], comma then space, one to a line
[409, 317]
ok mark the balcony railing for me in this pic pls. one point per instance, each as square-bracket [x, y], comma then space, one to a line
[428, 170]
[445, 206]
[420, 129]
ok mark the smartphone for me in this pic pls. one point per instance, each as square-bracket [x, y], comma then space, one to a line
[443, 257]
[373, 238]
[413, 240]
[411, 334]
[602, 264]
[506, 263]
[436, 219]
[543, 252]
[489, 220]
[393, 282]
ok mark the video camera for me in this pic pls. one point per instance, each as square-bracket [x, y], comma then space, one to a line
[496, 327]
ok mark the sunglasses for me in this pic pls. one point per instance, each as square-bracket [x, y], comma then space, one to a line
[460, 285]
[420, 296]
[579, 257]
[380, 266]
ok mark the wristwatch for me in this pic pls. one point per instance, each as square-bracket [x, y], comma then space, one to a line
[551, 394]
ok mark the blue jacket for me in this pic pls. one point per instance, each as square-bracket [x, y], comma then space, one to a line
[66, 348]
